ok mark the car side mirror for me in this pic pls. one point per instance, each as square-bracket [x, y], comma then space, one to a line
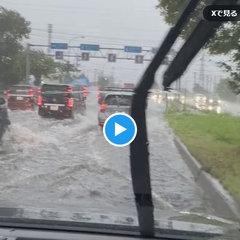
[2, 101]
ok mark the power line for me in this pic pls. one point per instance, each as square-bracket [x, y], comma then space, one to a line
[142, 42]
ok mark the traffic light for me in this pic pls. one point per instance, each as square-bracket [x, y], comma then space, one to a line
[59, 55]
[139, 59]
[85, 56]
[112, 57]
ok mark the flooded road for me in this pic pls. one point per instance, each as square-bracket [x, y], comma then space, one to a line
[47, 162]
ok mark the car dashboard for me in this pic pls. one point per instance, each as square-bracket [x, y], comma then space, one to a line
[36, 234]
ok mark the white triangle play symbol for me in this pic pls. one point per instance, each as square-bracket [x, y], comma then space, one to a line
[119, 129]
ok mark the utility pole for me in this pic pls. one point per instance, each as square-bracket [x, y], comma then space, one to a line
[195, 78]
[201, 75]
[207, 83]
[50, 26]
[210, 83]
[214, 83]
[27, 62]
[78, 65]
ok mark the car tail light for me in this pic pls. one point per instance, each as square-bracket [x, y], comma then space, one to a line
[39, 100]
[31, 92]
[84, 91]
[99, 94]
[69, 90]
[39, 90]
[70, 102]
[103, 108]
[8, 93]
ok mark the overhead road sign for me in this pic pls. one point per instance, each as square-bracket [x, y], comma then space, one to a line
[59, 55]
[85, 56]
[112, 57]
[139, 59]
[89, 47]
[59, 46]
[131, 49]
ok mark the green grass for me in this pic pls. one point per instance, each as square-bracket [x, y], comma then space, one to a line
[214, 140]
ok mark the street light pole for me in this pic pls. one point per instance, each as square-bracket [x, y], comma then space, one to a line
[27, 62]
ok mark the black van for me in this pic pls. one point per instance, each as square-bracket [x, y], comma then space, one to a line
[61, 101]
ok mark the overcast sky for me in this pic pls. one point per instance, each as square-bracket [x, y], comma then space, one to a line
[109, 23]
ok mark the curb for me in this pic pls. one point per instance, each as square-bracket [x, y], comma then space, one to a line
[221, 200]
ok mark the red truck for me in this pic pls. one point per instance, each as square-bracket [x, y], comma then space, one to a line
[129, 85]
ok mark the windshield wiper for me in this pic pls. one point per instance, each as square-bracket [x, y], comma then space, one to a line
[139, 147]
[202, 33]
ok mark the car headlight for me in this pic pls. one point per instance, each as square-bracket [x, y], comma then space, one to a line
[219, 101]
[153, 96]
[210, 100]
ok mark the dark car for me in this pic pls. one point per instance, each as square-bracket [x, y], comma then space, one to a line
[114, 102]
[22, 97]
[61, 101]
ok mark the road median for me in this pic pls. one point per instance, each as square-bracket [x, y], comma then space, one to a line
[213, 142]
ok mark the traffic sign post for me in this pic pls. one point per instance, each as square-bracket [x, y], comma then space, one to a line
[89, 47]
[85, 56]
[131, 49]
[112, 57]
[63, 46]
[59, 55]
[154, 50]
[139, 59]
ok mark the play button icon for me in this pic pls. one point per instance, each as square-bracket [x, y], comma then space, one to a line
[120, 129]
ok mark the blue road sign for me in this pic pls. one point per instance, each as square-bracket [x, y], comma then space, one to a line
[59, 46]
[131, 49]
[120, 129]
[89, 47]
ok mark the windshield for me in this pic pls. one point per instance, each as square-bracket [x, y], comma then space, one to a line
[57, 88]
[121, 100]
[73, 152]
[19, 88]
